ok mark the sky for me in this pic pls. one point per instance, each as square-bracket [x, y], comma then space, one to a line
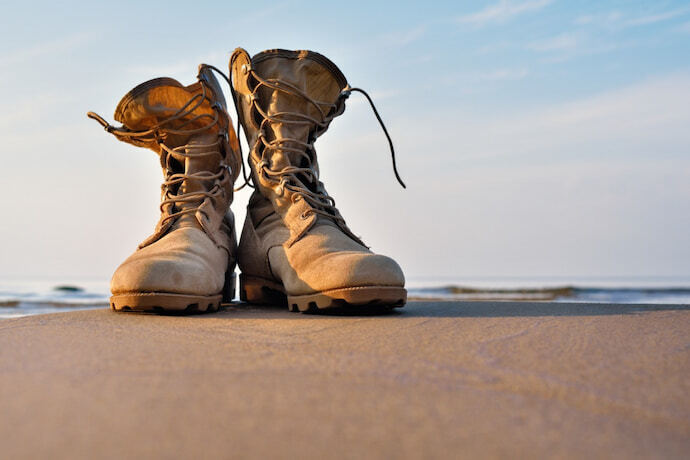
[536, 137]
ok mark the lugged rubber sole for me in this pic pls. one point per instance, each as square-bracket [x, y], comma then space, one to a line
[363, 298]
[166, 302]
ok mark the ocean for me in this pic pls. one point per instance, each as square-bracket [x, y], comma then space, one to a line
[32, 297]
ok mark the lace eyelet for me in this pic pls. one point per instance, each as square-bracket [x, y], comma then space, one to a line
[261, 165]
[305, 215]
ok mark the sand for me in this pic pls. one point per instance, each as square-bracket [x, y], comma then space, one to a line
[437, 380]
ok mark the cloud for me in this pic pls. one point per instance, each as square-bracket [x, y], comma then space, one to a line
[605, 18]
[615, 19]
[654, 18]
[502, 11]
[563, 47]
[258, 14]
[648, 120]
[595, 185]
[404, 37]
[558, 43]
[184, 68]
[472, 82]
[57, 46]
[505, 74]
[645, 120]
[489, 48]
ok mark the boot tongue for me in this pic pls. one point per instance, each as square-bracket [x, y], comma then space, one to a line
[306, 71]
[193, 164]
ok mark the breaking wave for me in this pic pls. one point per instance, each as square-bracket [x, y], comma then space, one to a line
[568, 293]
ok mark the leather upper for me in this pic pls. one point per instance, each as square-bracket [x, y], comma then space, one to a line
[292, 234]
[194, 241]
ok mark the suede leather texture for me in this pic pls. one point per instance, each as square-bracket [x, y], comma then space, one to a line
[323, 259]
[281, 240]
[188, 253]
[184, 261]
[311, 74]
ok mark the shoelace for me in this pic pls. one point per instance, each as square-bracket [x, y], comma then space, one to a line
[320, 202]
[383, 127]
[160, 132]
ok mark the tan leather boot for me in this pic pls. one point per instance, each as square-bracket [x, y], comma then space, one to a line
[295, 246]
[187, 265]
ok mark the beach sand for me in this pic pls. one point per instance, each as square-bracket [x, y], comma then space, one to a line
[435, 380]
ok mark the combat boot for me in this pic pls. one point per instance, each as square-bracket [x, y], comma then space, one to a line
[187, 265]
[295, 246]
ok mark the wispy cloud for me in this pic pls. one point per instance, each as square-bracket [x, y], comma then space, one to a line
[616, 19]
[505, 74]
[184, 68]
[476, 81]
[598, 166]
[658, 17]
[558, 43]
[256, 14]
[404, 37]
[646, 119]
[489, 48]
[643, 119]
[611, 17]
[566, 46]
[502, 11]
[684, 28]
[376, 95]
[57, 46]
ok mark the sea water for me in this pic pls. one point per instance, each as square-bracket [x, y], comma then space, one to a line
[51, 295]
[631, 290]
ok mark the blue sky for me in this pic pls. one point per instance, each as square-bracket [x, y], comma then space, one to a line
[536, 137]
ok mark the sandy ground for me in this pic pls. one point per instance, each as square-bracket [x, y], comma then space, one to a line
[437, 380]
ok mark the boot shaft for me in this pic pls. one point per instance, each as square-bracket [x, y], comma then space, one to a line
[286, 100]
[189, 128]
[162, 113]
[286, 94]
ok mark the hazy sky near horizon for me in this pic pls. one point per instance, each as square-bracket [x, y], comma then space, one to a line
[536, 137]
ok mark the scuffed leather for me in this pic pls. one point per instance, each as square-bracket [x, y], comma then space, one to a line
[281, 241]
[310, 73]
[184, 261]
[189, 253]
[323, 259]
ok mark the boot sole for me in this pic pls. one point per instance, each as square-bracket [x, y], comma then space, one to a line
[171, 303]
[353, 299]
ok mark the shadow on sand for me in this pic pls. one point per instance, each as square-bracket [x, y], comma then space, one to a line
[455, 309]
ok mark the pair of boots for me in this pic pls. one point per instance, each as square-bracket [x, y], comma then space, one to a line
[295, 247]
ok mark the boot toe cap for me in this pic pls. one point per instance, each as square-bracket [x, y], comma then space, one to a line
[186, 266]
[163, 275]
[355, 269]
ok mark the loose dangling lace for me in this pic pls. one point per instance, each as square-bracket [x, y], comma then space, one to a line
[287, 177]
[347, 92]
[160, 132]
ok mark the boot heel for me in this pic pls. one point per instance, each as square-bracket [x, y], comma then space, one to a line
[229, 288]
[261, 291]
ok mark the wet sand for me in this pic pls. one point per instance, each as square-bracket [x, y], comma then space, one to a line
[436, 380]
